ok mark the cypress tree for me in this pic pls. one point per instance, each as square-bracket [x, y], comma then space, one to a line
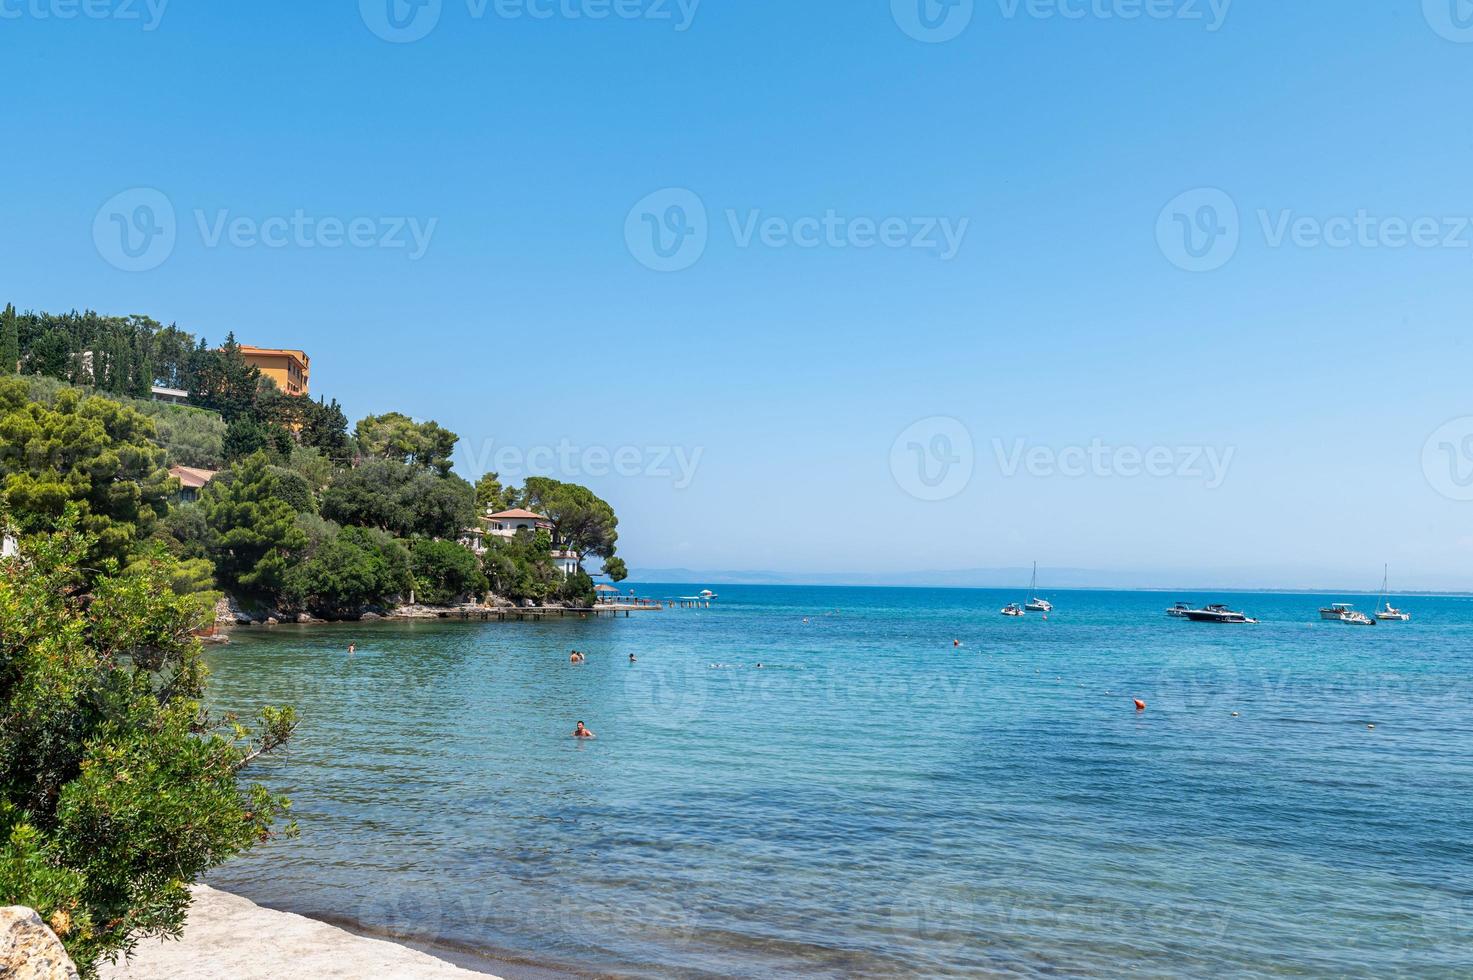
[9, 341]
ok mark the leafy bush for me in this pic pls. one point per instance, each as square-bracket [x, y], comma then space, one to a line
[444, 572]
[354, 568]
[116, 790]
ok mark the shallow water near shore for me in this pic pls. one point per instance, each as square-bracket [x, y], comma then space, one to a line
[873, 800]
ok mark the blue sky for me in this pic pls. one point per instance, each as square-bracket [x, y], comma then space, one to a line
[1056, 148]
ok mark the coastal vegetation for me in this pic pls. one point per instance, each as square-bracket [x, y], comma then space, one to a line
[303, 516]
[117, 788]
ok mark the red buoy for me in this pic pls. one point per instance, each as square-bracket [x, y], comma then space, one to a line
[1140, 705]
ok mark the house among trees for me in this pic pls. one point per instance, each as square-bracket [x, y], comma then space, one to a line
[192, 480]
[510, 523]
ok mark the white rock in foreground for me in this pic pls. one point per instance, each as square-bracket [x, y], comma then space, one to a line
[29, 950]
[230, 938]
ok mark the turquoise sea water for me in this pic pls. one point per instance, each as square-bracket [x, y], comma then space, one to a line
[875, 801]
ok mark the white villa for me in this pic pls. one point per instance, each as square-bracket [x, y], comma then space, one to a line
[508, 524]
[8, 547]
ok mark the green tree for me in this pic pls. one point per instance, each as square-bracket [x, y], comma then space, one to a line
[490, 494]
[616, 570]
[223, 381]
[116, 788]
[401, 499]
[89, 452]
[581, 521]
[254, 534]
[9, 341]
[444, 572]
[395, 436]
[351, 569]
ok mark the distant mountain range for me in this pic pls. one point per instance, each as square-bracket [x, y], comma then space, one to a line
[1220, 580]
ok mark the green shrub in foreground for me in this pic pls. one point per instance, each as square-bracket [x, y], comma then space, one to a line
[116, 790]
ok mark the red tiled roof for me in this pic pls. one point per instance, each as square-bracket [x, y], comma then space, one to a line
[192, 477]
[515, 515]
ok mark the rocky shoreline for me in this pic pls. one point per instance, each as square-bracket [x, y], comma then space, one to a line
[229, 612]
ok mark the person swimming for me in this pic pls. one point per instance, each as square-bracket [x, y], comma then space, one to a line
[581, 732]
[352, 648]
[578, 658]
[633, 659]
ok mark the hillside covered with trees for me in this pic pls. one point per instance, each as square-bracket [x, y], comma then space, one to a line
[304, 517]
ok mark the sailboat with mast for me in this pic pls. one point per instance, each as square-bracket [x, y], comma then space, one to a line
[1036, 604]
[1389, 613]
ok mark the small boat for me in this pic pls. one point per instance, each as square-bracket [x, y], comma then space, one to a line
[1036, 604]
[1179, 610]
[1344, 612]
[1216, 613]
[1389, 613]
[1013, 609]
[707, 594]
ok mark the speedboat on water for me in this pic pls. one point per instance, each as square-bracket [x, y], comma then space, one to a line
[1344, 612]
[1216, 613]
[1012, 609]
[1179, 610]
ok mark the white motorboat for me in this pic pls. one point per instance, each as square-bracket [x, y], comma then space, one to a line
[1344, 612]
[1013, 609]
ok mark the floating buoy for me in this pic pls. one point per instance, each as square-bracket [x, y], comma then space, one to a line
[1372, 727]
[1235, 714]
[1140, 705]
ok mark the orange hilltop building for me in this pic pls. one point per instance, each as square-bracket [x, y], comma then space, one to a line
[288, 368]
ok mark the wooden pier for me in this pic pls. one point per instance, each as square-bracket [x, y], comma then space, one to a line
[504, 614]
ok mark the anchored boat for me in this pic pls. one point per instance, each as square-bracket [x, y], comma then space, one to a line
[1216, 613]
[1036, 604]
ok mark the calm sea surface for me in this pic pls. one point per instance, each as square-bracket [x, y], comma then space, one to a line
[874, 801]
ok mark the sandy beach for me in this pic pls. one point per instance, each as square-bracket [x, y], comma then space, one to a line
[230, 938]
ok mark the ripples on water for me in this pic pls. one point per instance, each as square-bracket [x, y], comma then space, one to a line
[874, 801]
